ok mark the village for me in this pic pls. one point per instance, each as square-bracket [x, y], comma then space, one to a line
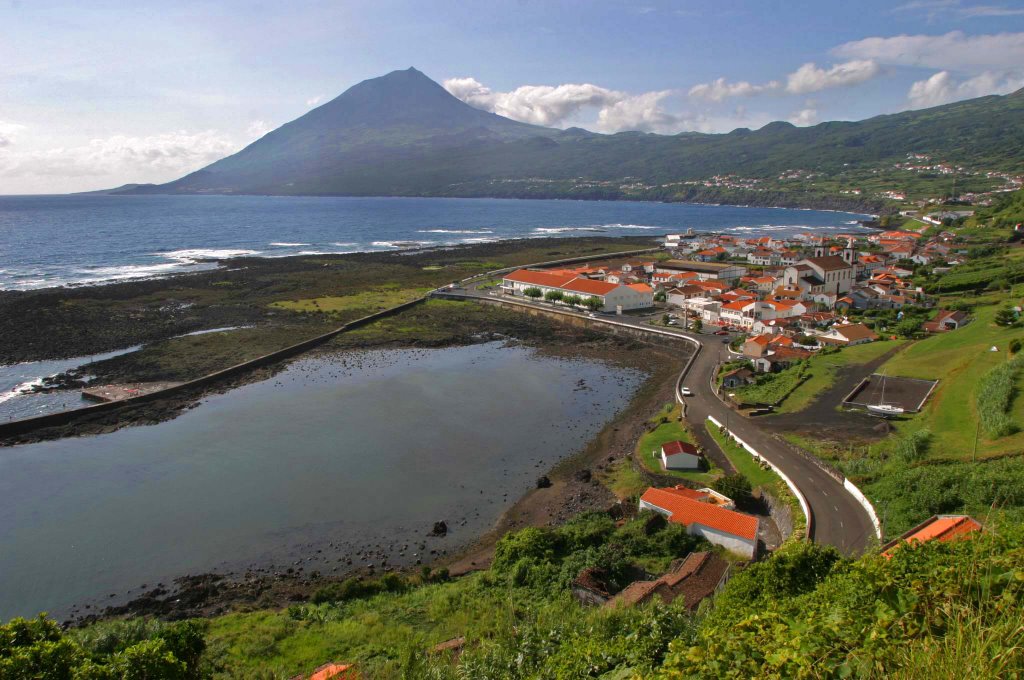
[785, 298]
[776, 302]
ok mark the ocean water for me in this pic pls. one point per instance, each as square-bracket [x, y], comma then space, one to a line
[72, 240]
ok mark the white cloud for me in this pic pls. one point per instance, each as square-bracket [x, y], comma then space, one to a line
[642, 112]
[258, 128]
[804, 117]
[537, 104]
[810, 78]
[952, 51]
[8, 132]
[313, 101]
[616, 111]
[934, 8]
[720, 89]
[152, 158]
[942, 88]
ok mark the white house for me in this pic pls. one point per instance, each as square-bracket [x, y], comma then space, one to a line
[613, 297]
[830, 275]
[680, 456]
[705, 271]
[849, 334]
[732, 530]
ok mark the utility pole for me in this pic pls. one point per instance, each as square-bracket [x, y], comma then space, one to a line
[977, 431]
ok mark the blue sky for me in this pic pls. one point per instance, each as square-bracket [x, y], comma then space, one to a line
[100, 93]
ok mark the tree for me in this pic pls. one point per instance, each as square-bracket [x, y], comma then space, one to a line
[698, 325]
[736, 487]
[908, 327]
[148, 660]
[593, 303]
[554, 295]
[572, 300]
[1015, 345]
[659, 296]
[1005, 317]
[533, 292]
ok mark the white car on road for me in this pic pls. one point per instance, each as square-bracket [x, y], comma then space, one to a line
[686, 392]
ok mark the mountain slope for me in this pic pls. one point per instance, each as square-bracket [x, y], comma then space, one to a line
[403, 134]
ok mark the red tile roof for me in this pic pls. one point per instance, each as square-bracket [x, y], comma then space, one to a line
[642, 287]
[333, 671]
[687, 511]
[686, 492]
[674, 448]
[937, 528]
[589, 286]
[536, 278]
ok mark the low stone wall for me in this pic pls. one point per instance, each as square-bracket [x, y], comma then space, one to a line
[780, 512]
[26, 425]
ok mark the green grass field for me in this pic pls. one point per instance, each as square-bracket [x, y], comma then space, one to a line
[648, 449]
[369, 300]
[743, 461]
[755, 474]
[823, 370]
[959, 359]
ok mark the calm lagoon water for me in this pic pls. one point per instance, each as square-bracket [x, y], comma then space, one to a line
[332, 454]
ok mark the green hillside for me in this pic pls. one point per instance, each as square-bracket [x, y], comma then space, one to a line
[403, 134]
[930, 611]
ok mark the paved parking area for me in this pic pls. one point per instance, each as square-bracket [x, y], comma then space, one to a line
[907, 393]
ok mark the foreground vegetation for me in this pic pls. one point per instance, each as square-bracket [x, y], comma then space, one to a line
[930, 611]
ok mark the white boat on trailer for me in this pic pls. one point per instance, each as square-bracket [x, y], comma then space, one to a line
[882, 409]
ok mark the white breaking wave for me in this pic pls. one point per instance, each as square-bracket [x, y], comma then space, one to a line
[455, 231]
[562, 230]
[18, 390]
[400, 244]
[285, 244]
[126, 271]
[195, 254]
[633, 226]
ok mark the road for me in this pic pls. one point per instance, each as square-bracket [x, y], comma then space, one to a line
[838, 519]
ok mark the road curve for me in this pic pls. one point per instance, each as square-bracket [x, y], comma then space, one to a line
[839, 519]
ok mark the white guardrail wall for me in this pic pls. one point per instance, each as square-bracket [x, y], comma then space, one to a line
[866, 504]
[789, 482]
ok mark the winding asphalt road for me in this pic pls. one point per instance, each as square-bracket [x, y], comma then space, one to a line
[838, 519]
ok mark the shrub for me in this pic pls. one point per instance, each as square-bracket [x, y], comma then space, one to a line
[736, 487]
[995, 395]
[532, 544]
[356, 587]
[533, 292]
[554, 295]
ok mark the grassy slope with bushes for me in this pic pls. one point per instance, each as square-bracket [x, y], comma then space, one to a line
[667, 427]
[945, 459]
[930, 611]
